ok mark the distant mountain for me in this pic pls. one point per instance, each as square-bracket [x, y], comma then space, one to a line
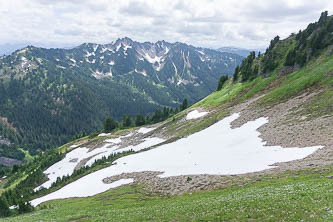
[49, 95]
[238, 51]
[7, 49]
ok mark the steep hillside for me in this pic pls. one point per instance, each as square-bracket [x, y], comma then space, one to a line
[263, 143]
[50, 95]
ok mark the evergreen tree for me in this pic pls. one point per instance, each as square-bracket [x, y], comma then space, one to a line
[24, 207]
[110, 124]
[4, 207]
[184, 105]
[222, 80]
[291, 58]
[127, 121]
[235, 76]
[140, 120]
[323, 18]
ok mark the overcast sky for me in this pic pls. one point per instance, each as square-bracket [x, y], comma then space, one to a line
[208, 23]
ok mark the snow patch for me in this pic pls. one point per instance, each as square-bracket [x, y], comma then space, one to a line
[60, 67]
[125, 48]
[77, 191]
[201, 52]
[98, 75]
[166, 50]
[95, 47]
[195, 114]
[13, 207]
[145, 130]
[143, 72]
[118, 47]
[25, 62]
[88, 54]
[218, 149]
[148, 142]
[104, 134]
[115, 140]
[151, 59]
[67, 165]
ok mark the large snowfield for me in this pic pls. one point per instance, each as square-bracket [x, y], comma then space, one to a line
[216, 150]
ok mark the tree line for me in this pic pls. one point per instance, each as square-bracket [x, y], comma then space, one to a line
[159, 115]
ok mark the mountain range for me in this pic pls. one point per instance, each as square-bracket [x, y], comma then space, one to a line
[49, 95]
[258, 148]
[238, 51]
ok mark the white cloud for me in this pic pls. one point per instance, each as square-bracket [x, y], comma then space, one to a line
[207, 23]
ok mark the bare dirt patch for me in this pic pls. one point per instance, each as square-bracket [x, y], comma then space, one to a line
[285, 128]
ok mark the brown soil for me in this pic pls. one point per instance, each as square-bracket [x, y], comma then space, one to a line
[285, 128]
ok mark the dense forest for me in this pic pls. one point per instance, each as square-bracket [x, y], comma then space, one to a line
[48, 96]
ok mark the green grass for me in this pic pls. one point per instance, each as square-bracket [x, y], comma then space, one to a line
[300, 80]
[27, 156]
[259, 84]
[319, 105]
[228, 92]
[291, 196]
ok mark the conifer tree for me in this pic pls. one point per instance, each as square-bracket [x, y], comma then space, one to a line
[4, 207]
[110, 124]
[184, 105]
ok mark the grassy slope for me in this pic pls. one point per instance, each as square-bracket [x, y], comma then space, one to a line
[291, 196]
[307, 196]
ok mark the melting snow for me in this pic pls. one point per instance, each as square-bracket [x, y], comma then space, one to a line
[152, 60]
[216, 150]
[95, 47]
[78, 192]
[195, 114]
[24, 63]
[104, 134]
[61, 67]
[125, 48]
[67, 165]
[166, 50]
[88, 54]
[145, 130]
[13, 207]
[98, 75]
[118, 47]
[143, 72]
[148, 142]
[115, 140]
[201, 52]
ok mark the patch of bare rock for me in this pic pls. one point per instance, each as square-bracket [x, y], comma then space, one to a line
[285, 128]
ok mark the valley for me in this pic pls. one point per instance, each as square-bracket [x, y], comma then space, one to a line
[255, 142]
[54, 92]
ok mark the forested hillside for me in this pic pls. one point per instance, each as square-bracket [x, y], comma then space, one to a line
[289, 55]
[261, 142]
[50, 95]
